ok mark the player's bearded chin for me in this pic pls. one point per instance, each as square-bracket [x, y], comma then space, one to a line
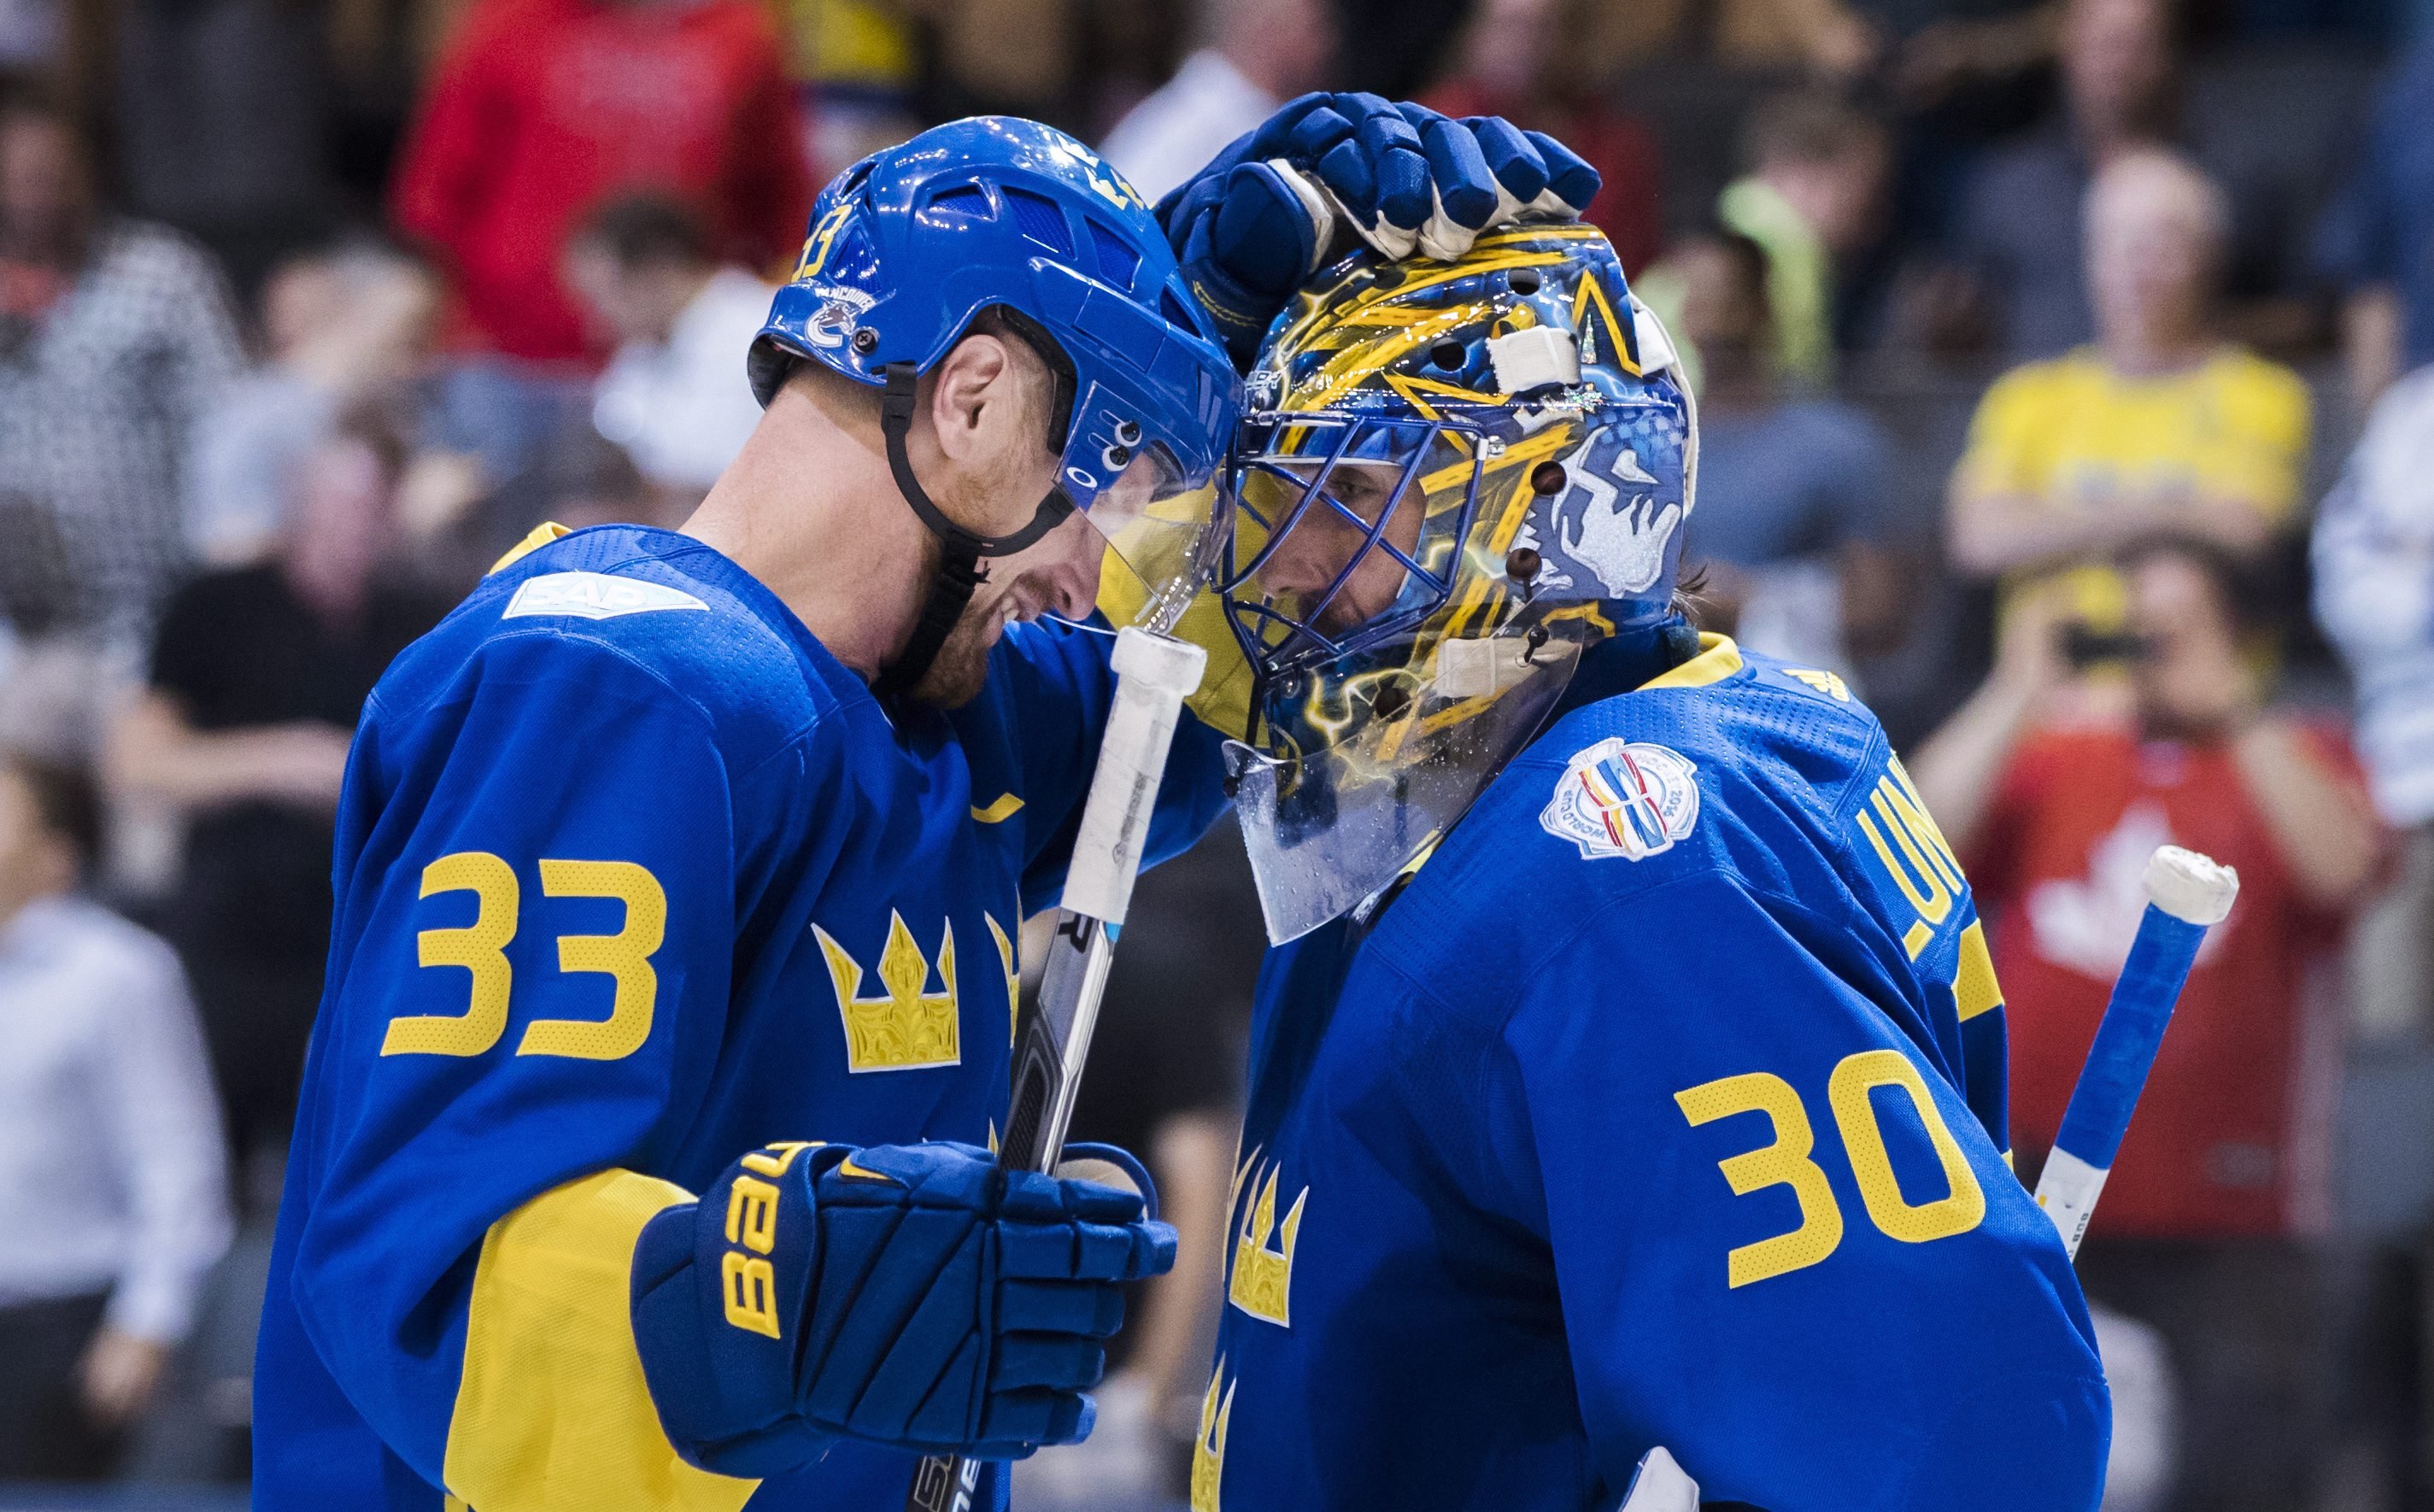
[961, 666]
[956, 673]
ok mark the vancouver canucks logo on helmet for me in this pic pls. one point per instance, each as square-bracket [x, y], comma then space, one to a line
[840, 311]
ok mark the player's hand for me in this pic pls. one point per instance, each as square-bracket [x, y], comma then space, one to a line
[914, 1296]
[1262, 216]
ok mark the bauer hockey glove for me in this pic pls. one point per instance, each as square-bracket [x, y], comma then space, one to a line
[1251, 227]
[915, 1296]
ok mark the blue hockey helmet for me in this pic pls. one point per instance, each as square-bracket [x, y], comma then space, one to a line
[913, 243]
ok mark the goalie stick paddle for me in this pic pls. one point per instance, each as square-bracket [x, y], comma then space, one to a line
[1153, 675]
[2186, 895]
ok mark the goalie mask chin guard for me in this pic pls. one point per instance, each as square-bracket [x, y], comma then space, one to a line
[1458, 478]
[909, 247]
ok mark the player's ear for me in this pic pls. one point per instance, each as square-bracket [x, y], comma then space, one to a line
[975, 396]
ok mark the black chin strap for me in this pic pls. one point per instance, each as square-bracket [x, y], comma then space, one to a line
[960, 571]
[959, 575]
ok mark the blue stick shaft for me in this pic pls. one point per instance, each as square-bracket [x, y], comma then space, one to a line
[2127, 1039]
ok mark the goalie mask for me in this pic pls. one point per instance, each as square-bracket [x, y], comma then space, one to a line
[1455, 477]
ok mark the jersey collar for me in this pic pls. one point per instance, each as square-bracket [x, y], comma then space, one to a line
[1718, 658]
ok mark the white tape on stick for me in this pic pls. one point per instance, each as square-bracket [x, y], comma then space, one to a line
[1153, 675]
[1660, 1485]
[1160, 663]
[2192, 889]
[2068, 1189]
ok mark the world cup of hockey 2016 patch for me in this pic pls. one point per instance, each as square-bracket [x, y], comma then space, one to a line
[1623, 799]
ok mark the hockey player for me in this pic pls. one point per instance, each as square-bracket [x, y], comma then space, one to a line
[1630, 1072]
[641, 1158]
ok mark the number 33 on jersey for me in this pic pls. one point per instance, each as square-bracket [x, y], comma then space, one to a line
[480, 948]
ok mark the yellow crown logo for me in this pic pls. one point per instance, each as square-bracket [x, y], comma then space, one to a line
[905, 1027]
[1262, 1280]
[1208, 1445]
[1005, 958]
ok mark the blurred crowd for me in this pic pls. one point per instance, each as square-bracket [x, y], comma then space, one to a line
[2067, 387]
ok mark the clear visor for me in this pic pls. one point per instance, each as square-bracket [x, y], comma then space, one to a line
[1160, 532]
[1365, 769]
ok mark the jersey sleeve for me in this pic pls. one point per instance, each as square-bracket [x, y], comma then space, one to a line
[1061, 688]
[1784, 1249]
[528, 986]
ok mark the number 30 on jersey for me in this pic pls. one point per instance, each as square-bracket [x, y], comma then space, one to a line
[1787, 1160]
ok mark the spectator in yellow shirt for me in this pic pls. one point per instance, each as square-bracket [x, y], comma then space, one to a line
[2160, 428]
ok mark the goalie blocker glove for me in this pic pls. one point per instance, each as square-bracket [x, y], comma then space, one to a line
[1249, 229]
[915, 1296]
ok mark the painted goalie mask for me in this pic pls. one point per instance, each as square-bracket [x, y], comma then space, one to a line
[1453, 479]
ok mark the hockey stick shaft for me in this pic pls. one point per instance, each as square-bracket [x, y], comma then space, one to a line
[2187, 894]
[1153, 675]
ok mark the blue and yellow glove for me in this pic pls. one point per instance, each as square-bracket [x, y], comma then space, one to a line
[915, 1296]
[1266, 214]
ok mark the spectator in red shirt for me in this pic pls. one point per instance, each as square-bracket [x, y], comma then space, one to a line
[542, 108]
[1526, 61]
[2204, 1227]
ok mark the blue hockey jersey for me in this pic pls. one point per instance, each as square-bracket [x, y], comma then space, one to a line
[633, 876]
[1663, 1107]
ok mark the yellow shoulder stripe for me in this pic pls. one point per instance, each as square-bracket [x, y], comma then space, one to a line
[552, 1410]
[1003, 807]
[1718, 658]
[543, 534]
